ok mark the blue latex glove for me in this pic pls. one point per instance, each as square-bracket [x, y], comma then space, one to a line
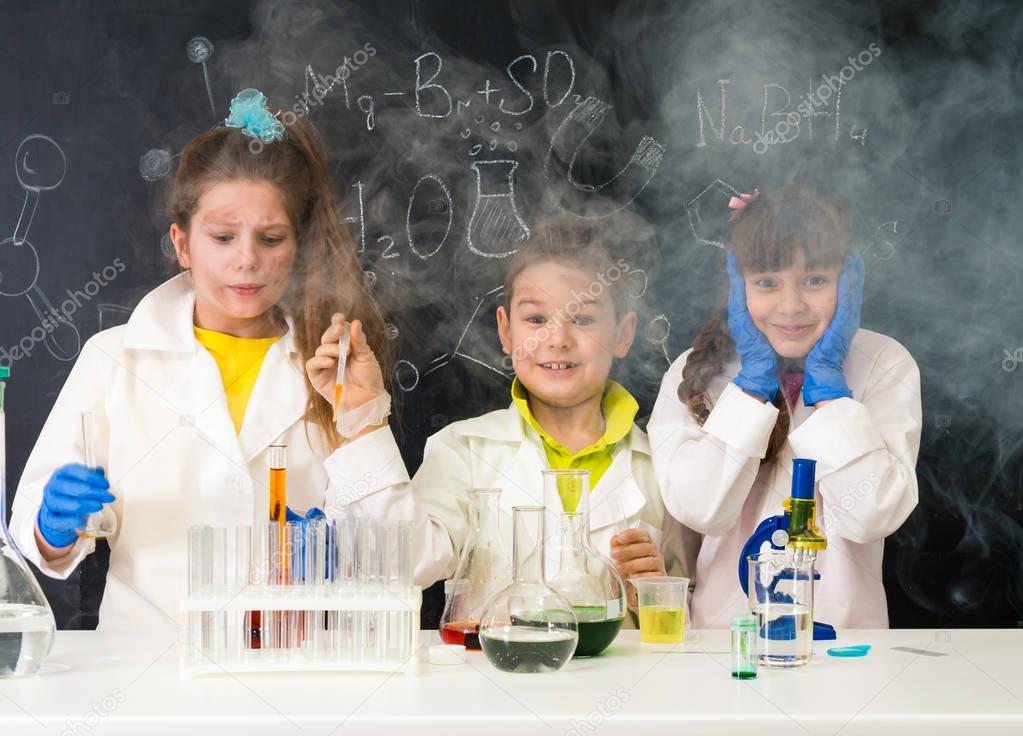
[71, 494]
[758, 372]
[298, 571]
[824, 374]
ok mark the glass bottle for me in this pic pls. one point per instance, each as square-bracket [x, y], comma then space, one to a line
[26, 621]
[589, 580]
[482, 571]
[528, 626]
[744, 647]
[104, 522]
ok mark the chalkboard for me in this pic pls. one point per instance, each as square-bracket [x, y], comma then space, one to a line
[457, 126]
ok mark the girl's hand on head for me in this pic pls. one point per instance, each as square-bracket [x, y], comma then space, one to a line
[636, 556]
[363, 378]
[825, 365]
[758, 370]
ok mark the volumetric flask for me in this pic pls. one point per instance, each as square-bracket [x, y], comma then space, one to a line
[588, 580]
[26, 621]
[482, 571]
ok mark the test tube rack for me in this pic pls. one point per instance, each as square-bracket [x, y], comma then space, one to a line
[309, 596]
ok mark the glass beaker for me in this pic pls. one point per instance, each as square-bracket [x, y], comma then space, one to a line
[104, 522]
[482, 571]
[528, 626]
[781, 597]
[26, 621]
[588, 580]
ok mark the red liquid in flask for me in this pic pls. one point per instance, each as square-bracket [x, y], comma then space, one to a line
[461, 633]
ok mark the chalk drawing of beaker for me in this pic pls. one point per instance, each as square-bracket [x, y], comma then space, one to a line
[496, 228]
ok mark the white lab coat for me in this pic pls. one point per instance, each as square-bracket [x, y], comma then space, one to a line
[712, 479]
[499, 450]
[172, 455]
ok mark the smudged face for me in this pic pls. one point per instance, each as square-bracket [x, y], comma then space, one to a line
[562, 333]
[794, 306]
[240, 247]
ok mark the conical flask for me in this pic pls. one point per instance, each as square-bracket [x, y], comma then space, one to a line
[26, 621]
[496, 229]
[589, 580]
[528, 626]
[482, 571]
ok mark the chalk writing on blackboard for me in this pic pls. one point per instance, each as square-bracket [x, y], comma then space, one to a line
[657, 332]
[715, 198]
[496, 229]
[199, 50]
[568, 142]
[40, 166]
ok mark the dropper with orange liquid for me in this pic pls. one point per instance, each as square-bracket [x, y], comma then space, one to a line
[342, 360]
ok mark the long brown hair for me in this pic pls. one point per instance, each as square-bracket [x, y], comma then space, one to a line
[326, 276]
[765, 238]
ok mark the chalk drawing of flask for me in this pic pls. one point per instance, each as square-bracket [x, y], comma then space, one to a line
[496, 228]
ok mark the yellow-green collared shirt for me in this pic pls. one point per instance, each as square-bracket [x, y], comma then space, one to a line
[239, 360]
[619, 409]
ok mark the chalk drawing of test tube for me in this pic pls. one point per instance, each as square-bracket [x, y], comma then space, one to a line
[40, 165]
[569, 140]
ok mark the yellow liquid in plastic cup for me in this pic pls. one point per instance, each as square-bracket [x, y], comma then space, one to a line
[662, 609]
[662, 625]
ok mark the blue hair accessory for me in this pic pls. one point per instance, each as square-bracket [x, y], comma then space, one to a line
[250, 113]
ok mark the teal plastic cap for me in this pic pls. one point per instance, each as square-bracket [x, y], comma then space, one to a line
[5, 372]
[745, 622]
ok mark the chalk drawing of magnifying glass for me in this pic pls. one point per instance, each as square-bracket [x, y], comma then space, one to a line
[40, 165]
[657, 332]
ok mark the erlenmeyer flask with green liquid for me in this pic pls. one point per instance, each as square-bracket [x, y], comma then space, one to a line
[588, 580]
[26, 621]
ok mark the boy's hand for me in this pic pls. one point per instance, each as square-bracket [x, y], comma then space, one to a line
[636, 556]
[363, 379]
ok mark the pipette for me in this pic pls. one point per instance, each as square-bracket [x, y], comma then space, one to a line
[342, 360]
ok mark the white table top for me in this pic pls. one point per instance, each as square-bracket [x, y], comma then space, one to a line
[98, 683]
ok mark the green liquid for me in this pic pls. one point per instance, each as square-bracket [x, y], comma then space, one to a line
[744, 674]
[596, 636]
[523, 649]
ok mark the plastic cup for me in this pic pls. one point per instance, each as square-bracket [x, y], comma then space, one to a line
[662, 609]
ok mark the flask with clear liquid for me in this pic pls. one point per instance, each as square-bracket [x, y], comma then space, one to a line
[528, 626]
[26, 621]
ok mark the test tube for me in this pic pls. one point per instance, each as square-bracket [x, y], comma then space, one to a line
[259, 572]
[218, 586]
[240, 620]
[271, 640]
[196, 590]
[404, 580]
[363, 577]
[317, 569]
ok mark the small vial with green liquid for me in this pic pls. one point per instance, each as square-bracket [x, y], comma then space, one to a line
[744, 647]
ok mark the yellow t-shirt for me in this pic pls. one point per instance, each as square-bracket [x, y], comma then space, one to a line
[239, 360]
[619, 408]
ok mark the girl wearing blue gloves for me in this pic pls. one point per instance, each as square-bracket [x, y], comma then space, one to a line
[783, 370]
[213, 367]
